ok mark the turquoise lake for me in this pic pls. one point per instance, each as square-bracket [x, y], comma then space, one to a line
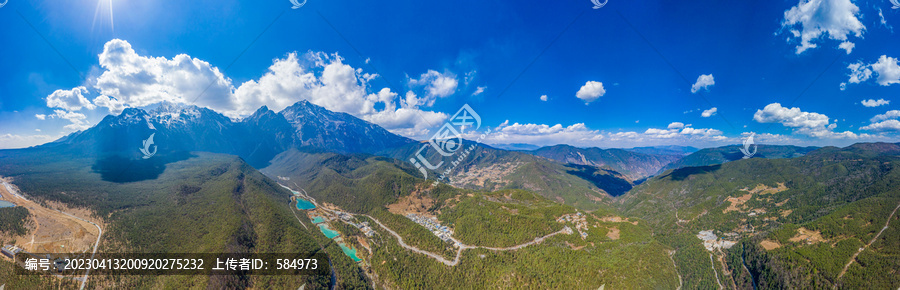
[304, 204]
[4, 203]
[318, 220]
[328, 232]
[350, 252]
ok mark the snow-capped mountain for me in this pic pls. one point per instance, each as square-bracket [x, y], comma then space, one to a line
[257, 138]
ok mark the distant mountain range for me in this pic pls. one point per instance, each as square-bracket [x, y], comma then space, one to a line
[665, 150]
[516, 146]
[635, 165]
[719, 155]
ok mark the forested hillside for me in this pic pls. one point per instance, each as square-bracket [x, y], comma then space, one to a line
[197, 203]
[797, 222]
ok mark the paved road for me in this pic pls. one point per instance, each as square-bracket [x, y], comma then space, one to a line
[462, 246]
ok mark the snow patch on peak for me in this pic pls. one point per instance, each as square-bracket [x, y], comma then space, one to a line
[170, 113]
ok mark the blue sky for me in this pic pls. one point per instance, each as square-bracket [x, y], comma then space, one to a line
[817, 72]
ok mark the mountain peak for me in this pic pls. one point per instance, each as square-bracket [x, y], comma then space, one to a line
[262, 111]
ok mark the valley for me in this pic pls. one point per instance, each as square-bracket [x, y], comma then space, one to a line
[554, 217]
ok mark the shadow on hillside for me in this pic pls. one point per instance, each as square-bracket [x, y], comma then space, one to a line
[121, 169]
[683, 173]
[734, 156]
[602, 178]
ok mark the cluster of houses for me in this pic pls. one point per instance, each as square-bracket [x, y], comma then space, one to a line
[579, 220]
[432, 224]
[364, 227]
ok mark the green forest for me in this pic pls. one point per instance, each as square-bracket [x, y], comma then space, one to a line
[13, 220]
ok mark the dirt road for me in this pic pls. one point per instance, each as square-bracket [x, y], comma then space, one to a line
[886, 223]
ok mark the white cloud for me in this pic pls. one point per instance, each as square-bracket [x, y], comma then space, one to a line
[580, 135]
[411, 100]
[883, 126]
[859, 72]
[340, 88]
[478, 91]
[847, 46]
[114, 106]
[590, 91]
[892, 114]
[541, 134]
[886, 122]
[71, 100]
[40, 116]
[437, 85]
[140, 81]
[888, 70]
[79, 121]
[287, 82]
[702, 131]
[535, 129]
[884, 22]
[680, 130]
[875, 103]
[10, 141]
[469, 77]
[544, 98]
[676, 125]
[405, 121]
[807, 123]
[661, 133]
[834, 19]
[709, 113]
[703, 82]
[793, 117]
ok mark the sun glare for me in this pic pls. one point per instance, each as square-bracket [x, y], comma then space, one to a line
[99, 10]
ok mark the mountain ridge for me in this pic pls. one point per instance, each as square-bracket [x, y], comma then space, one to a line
[256, 138]
[635, 165]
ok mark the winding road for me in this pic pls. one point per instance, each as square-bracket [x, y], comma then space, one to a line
[462, 246]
